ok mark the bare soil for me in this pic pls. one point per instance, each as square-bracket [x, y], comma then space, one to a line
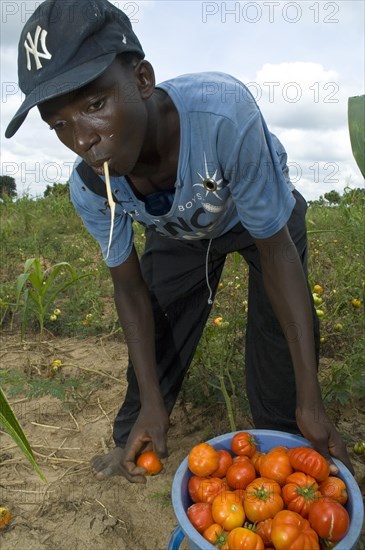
[72, 510]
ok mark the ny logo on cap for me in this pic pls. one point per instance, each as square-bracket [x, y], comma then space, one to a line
[31, 47]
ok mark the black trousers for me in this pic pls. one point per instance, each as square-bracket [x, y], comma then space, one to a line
[175, 272]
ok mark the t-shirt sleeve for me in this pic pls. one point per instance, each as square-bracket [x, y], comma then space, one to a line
[259, 183]
[96, 217]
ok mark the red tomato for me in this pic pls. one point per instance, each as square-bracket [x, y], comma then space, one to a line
[299, 492]
[262, 499]
[224, 462]
[193, 486]
[242, 538]
[150, 461]
[227, 510]
[256, 459]
[310, 462]
[335, 488]
[203, 459]
[243, 444]
[263, 529]
[276, 465]
[215, 535]
[240, 474]
[329, 519]
[208, 488]
[290, 531]
[200, 515]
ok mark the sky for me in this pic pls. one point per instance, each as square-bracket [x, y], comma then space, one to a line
[301, 60]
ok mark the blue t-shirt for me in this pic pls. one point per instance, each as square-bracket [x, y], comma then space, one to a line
[231, 169]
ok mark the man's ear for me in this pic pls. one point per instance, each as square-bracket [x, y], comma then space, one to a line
[145, 78]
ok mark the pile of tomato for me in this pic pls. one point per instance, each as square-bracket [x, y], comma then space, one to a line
[284, 499]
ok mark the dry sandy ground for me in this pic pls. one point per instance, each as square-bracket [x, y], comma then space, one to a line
[73, 510]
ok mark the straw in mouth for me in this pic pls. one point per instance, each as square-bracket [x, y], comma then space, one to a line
[111, 204]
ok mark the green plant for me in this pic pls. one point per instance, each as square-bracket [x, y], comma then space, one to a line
[14, 429]
[356, 122]
[41, 288]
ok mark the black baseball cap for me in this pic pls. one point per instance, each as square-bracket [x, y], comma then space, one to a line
[65, 45]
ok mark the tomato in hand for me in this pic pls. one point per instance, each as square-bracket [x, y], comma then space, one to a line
[243, 444]
[329, 519]
[310, 462]
[276, 465]
[200, 515]
[227, 510]
[335, 488]
[299, 492]
[290, 531]
[203, 459]
[242, 538]
[262, 499]
[240, 474]
[224, 462]
[150, 461]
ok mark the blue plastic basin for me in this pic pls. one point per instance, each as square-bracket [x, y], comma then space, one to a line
[266, 440]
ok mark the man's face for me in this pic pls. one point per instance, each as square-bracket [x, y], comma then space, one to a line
[103, 121]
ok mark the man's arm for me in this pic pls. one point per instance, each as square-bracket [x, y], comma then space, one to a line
[134, 309]
[288, 293]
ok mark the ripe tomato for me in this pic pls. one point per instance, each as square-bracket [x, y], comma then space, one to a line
[240, 474]
[276, 465]
[256, 459]
[299, 492]
[262, 499]
[242, 538]
[329, 519]
[227, 510]
[203, 459]
[290, 531]
[150, 461]
[243, 444]
[215, 535]
[224, 462]
[263, 529]
[204, 489]
[335, 488]
[200, 515]
[310, 462]
[5, 517]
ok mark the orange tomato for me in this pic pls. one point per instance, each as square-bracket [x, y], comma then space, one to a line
[263, 529]
[335, 488]
[203, 459]
[262, 499]
[310, 462]
[276, 465]
[5, 517]
[215, 535]
[227, 510]
[150, 461]
[242, 538]
[240, 474]
[299, 492]
[224, 462]
[243, 444]
[290, 531]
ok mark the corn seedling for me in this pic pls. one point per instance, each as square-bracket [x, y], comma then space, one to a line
[41, 288]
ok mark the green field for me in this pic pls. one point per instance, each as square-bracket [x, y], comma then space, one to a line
[49, 230]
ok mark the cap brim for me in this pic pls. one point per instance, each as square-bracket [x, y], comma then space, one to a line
[67, 82]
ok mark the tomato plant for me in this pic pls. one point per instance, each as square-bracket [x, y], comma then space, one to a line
[200, 515]
[240, 474]
[299, 492]
[224, 462]
[329, 519]
[150, 461]
[242, 538]
[276, 465]
[227, 510]
[290, 531]
[335, 488]
[243, 444]
[203, 459]
[310, 462]
[262, 499]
